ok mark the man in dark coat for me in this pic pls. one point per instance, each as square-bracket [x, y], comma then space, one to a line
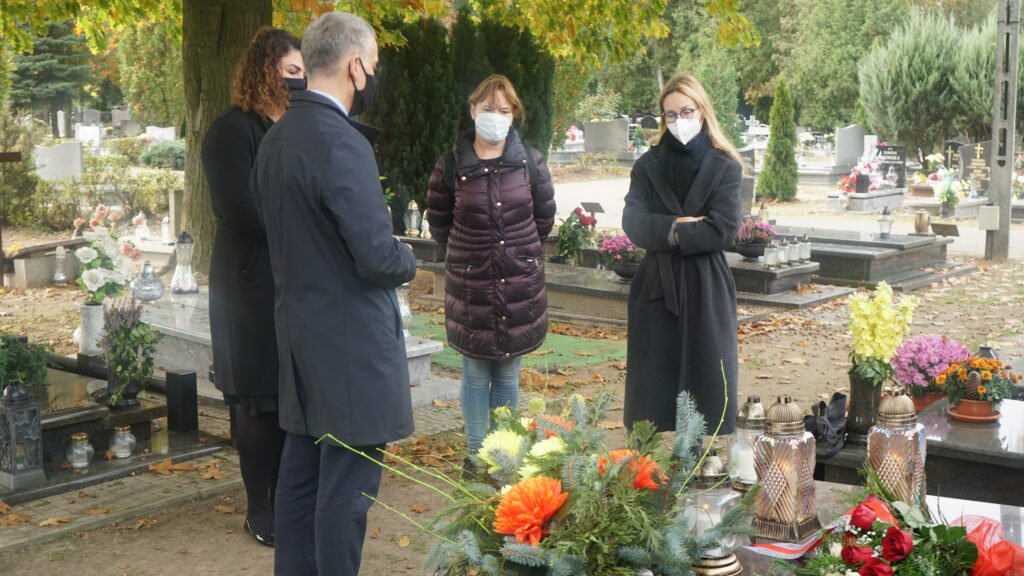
[335, 264]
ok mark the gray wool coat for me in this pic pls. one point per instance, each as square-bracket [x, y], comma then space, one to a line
[682, 302]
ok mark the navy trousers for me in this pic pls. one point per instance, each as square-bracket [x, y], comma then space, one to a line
[320, 510]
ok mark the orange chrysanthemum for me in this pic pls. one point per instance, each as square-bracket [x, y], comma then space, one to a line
[982, 389]
[526, 508]
[643, 469]
[962, 374]
[986, 375]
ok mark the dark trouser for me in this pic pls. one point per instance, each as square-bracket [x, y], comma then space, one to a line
[259, 441]
[320, 512]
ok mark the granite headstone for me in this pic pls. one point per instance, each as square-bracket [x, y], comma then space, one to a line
[950, 153]
[90, 116]
[976, 165]
[91, 135]
[849, 145]
[894, 156]
[159, 134]
[747, 183]
[61, 161]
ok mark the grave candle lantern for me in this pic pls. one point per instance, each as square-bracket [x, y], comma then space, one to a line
[706, 501]
[147, 287]
[60, 255]
[771, 256]
[404, 309]
[896, 449]
[885, 223]
[412, 220]
[805, 249]
[749, 427]
[784, 460]
[184, 281]
[21, 439]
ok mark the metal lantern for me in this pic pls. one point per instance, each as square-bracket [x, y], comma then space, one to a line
[896, 449]
[60, 255]
[404, 309]
[184, 281]
[885, 223]
[986, 351]
[147, 287]
[749, 427]
[412, 220]
[21, 439]
[706, 501]
[762, 214]
[784, 461]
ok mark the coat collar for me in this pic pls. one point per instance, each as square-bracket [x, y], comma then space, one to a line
[302, 98]
[712, 167]
[466, 158]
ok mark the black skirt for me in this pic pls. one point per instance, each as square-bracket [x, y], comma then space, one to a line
[252, 405]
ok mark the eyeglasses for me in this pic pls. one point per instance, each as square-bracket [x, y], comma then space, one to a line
[671, 116]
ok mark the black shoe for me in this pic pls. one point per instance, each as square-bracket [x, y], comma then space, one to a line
[265, 539]
[470, 472]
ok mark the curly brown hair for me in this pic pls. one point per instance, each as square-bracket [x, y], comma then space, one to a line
[258, 85]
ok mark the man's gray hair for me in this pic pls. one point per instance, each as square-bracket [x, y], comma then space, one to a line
[331, 37]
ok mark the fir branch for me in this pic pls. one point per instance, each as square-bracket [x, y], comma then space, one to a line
[524, 554]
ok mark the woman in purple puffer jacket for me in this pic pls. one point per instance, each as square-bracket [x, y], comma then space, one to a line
[490, 201]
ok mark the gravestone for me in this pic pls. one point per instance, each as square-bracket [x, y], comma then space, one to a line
[894, 156]
[90, 117]
[976, 165]
[849, 146]
[605, 135]
[130, 129]
[62, 130]
[747, 183]
[61, 161]
[950, 151]
[91, 135]
[870, 146]
[117, 117]
[159, 134]
[649, 122]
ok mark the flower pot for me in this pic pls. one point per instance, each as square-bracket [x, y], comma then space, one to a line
[90, 329]
[129, 396]
[625, 269]
[864, 399]
[925, 400]
[863, 184]
[945, 210]
[751, 251]
[975, 411]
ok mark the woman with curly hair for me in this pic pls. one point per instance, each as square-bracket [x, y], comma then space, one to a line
[241, 284]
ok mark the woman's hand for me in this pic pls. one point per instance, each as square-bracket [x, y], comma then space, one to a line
[684, 219]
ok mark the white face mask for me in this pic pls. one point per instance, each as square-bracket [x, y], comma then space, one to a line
[685, 130]
[492, 127]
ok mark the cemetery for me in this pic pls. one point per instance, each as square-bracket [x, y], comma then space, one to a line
[876, 421]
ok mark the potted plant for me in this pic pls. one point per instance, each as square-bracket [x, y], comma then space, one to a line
[620, 255]
[129, 344]
[573, 235]
[975, 387]
[877, 327]
[949, 194]
[106, 267]
[920, 360]
[23, 361]
[752, 238]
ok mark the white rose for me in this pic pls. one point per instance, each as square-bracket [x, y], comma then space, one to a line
[94, 279]
[110, 248]
[86, 254]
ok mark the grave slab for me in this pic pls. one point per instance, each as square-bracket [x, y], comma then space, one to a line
[751, 276]
[875, 201]
[966, 208]
[184, 320]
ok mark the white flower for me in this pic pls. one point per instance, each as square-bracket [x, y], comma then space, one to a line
[86, 254]
[94, 279]
[539, 450]
[835, 549]
[110, 248]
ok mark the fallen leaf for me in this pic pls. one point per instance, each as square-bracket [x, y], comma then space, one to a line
[763, 377]
[444, 404]
[419, 507]
[376, 533]
[109, 455]
[403, 542]
[611, 425]
[144, 523]
[12, 519]
[184, 467]
[565, 372]
[99, 511]
[597, 378]
[56, 520]
[224, 509]
[542, 352]
[584, 353]
[795, 361]
[5, 508]
[212, 473]
[165, 468]
[619, 365]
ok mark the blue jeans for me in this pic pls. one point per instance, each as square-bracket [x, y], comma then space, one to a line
[486, 385]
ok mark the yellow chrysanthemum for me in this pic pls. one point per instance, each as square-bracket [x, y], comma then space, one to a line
[539, 450]
[504, 442]
[940, 380]
[986, 375]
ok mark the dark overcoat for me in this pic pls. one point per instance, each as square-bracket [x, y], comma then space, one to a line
[241, 284]
[682, 303]
[336, 266]
[493, 224]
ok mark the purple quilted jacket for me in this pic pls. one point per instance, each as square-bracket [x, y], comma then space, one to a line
[495, 305]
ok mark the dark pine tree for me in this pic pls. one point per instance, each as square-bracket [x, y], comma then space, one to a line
[53, 75]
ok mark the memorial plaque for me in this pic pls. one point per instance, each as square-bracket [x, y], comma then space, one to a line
[894, 156]
[951, 153]
[976, 165]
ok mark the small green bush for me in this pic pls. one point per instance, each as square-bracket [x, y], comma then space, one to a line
[165, 155]
[778, 179]
[23, 361]
[130, 148]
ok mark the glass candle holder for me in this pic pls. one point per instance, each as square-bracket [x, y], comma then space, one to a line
[783, 257]
[805, 249]
[897, 448]
[404, 309]
[750, 422]
[707, 499]
[771, 257]
[184, 281]
[80, 451]
[123, 442]
[59, 256]
[147, 287]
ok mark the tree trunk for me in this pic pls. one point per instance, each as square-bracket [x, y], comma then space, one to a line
[52, 113]
[215, 34]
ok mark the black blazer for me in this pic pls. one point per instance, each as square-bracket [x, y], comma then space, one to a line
[336, 266]
[241, 285]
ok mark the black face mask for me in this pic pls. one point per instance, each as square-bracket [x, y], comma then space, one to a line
[295, 84]
[364, 97]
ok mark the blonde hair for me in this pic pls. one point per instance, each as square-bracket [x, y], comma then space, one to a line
[493, 84]
[691, 88]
